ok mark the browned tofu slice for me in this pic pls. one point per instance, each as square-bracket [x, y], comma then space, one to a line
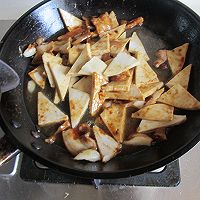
[121, 63]
[120, 85]
[115, 33]
[176, 58]
[114, 118]
[179, 97]
[38, 75]
[48, 113]
[61, 80]
[93, 65]
[101, 47]
[74, 53]
[70, 21]
[96, 99]
[132, 95]
[181, 78]
[147, 126]
[84, 84]
[136, 47]
[155, 112]
[148, 90]
[155, 96]
[107, 146]
[117, 46]
[102, 23]
[144, 74]
[78, 103]
[49, 58]
[84, 57]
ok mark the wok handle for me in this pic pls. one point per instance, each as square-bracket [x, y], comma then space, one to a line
[7, 151]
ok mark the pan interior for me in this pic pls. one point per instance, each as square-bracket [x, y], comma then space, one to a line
[167, 24]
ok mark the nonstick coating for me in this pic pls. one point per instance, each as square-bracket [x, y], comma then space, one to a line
[171, 20]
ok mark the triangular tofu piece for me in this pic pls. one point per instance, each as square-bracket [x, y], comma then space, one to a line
[102, 23]
[181, 78]
[97, 99]
[48, 113]
[113, 18]
[179, 97]
[38, 75]
[74, 53]
[78, 103]
[122, 36]
[61, 79]
[93, 65]
[120, 85]
[101, 47]
[84, 84]
[122, 62]
[176, 58]
[49, 58]
[107, 146]
[111, 116]
[136, 47]
[84, 57]
[117, 46]
[144, 74]
[156, 112]
[116, 32]
[148, 90]
[155, 97]
[149, 126]
[132, 95]
[56, 98]
[70, 21]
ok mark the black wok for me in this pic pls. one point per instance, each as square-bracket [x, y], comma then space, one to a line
[170, 20]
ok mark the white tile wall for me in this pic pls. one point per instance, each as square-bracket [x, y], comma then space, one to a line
[11, 9]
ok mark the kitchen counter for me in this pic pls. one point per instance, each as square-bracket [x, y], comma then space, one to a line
[189, 188]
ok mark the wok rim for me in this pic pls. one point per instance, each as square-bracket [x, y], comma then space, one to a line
[91, 174]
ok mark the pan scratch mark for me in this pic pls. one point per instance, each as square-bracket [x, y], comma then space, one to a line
[66, 195]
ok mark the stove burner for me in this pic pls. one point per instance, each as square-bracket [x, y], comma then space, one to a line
[168, 176]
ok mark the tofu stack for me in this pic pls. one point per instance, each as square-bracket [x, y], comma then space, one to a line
[98, 71]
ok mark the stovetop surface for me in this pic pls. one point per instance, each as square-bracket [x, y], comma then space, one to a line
[168, 176]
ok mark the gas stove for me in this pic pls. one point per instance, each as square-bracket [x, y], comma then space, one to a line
[168, 176]
[32, 171]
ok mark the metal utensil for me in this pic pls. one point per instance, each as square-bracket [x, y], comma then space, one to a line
[9, 80]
